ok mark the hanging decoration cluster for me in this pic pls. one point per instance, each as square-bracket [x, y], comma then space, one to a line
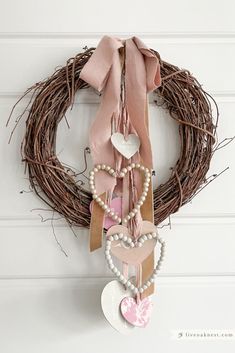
[121, 205]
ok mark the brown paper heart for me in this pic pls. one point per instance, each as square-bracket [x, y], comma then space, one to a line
[134, 255]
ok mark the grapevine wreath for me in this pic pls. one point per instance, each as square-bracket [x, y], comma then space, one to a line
[56, 184]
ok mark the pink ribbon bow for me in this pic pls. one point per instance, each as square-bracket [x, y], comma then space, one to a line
[103, 72]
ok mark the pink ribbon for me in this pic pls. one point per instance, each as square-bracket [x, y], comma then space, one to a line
[103, 72]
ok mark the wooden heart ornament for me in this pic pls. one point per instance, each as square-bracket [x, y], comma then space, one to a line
[126, 146]
[134, 252]
[136, 313]
[128, 243]
[120, 174]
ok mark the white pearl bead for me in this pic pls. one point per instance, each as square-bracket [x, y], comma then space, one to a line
[141, 290]
[132, 165]
[145, 193]
[95, 170]
[116, 237]
[118, 273]
[111, 213]
[135, 210]
[111, 238]
[151, 280]
[94, 196]
[121, 175]
[137, 165]
[128, 217]
[124, 170]
[111, 266]
[124, 238]
[128, 283]
[115, 270]
[150, 236]
[136, 290]
[141, 240]
[145, 287]
[98, 166]
[142, 198]
[129, 240]
[148, 283]
[105, 207]
[103, 166]
[139, 244]
[132, 287]
[121, 277]
[154, 235]
[108, 168]
[142, 167]
[119, 220]
[129, 168]
[145, 237]
[120, 235]
[131, 214]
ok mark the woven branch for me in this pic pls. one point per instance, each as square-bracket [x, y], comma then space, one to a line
[180, 93]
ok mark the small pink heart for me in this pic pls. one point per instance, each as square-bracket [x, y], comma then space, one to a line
[137, 314]
[116, 206]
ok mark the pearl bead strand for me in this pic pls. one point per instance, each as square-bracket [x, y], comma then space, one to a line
[128, 242]
[121, 174]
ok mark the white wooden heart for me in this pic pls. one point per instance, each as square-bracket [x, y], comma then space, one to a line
[112, 295]
[127, 147]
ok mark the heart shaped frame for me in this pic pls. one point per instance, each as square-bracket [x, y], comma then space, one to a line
[121, 174]
[129, 242]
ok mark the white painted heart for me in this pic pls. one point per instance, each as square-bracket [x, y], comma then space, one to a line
[114, 215]
[111, 297]
[127, 147]
[127, 241]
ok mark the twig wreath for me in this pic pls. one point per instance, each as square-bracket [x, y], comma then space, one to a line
[180, 93]
[121, 200]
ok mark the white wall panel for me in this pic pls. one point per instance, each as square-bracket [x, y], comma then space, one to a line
[51, 303]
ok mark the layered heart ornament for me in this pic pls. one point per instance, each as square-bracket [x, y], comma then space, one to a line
[137, 313]
[126, 146]
[111, 297]
[120, 174]
[128, 243]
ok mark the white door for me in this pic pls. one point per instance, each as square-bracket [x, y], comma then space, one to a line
[50, 303]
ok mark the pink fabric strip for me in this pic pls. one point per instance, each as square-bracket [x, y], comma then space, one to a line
[103, 72]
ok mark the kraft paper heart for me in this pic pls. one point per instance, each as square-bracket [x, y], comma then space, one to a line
[111, 297]
[127, 147]
[132, 255]
[137, 314]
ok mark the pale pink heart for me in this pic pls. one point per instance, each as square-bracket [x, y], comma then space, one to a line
[137, 314]
[116, 206]
[132, 256]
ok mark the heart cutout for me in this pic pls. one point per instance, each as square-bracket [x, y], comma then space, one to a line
[111, 297]
[126, 146]
[136, 313]
[116, 174]
[134, 255]
[127, 241]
